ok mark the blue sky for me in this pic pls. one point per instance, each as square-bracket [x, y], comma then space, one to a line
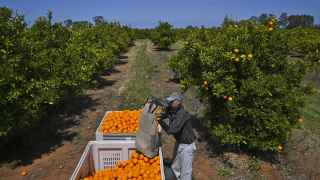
[146, 13]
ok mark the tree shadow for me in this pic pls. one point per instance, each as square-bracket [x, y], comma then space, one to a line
[121, 62]
[204, 135]
[217, 149]
[314, 77]
[102, 82]
[123, 57]
[163, 50]
[113, 70]
[54, 128]
[108, 72]
[173, 80]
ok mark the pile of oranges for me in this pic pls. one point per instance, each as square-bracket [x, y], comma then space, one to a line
[138, 167]
[121, 122]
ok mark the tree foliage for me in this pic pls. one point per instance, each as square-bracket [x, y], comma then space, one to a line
[247, 75]
[300, 21]
[43, 64]
[163, 35]
[287, 21]
[98, 19]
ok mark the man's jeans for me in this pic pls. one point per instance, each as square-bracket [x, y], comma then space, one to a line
[182, 164]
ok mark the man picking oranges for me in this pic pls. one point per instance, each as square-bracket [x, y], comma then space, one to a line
[180, 126]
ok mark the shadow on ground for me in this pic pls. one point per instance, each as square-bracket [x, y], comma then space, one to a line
[123, 57]
[102, 82]
[163, 50]
[57, 126]
[217, 149]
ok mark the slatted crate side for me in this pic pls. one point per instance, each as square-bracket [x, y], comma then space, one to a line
[99, 155]
[85, 165]
[109, 153]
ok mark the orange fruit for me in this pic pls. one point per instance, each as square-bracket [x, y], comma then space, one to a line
[120, 122]
[146, 159]
[24, 173]
[137, 167]
[300, 120]
[141, 156]
[135, 161]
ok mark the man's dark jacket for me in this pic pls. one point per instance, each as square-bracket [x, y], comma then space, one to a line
[179, 125]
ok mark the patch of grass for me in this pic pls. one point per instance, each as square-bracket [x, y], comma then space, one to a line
[224, 172]
[311, 113]
[138, 87]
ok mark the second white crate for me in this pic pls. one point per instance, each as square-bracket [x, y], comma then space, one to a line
[100, 155]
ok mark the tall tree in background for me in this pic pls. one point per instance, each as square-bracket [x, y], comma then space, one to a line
[98, 20]
[228, 21]
[5, 13]
[265, 17]
[50, 16]
[300, 21]
[262, 18]
[81, 24]
[67, 23]
[254, 18]
[191, 27]
[163, 35]
[283, 20]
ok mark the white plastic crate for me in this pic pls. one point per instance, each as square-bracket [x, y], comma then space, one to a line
[105, 154]
[112, 136]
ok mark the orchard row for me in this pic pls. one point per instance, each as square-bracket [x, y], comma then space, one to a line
[251, 76]
[45, 63]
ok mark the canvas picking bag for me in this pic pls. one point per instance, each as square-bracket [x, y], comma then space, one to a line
[147, 137]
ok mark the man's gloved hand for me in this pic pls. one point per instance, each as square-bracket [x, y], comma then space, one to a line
[163, 115]
[160, 114]
[160, 117]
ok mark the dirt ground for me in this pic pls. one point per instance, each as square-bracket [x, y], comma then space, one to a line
[211, 160]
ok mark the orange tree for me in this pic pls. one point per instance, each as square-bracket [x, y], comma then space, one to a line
[253, 87]
[304, 43]
[163, 35]
[45, 63]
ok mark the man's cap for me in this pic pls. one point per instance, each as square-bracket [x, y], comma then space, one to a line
[174, 96]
